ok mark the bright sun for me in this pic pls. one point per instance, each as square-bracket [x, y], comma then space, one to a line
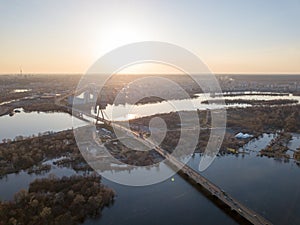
[114, 35]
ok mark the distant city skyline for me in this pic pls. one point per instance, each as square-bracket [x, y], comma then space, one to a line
[67, 36]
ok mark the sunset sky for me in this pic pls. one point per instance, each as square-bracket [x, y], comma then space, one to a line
[67, 36]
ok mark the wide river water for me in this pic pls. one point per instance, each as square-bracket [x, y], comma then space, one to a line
[268, 186]
[121, 112]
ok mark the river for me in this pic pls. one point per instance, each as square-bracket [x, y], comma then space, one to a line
[121, 112]
[268, 186]
[33, 123]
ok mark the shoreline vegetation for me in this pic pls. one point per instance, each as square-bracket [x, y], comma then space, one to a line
[31, 154]
[256, 121]
[28, 154]
[278, 146]
[54, 201]
[37, 104]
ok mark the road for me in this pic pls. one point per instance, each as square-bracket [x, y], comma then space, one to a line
[213, 189]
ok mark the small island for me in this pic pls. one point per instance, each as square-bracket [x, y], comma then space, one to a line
[51, 201]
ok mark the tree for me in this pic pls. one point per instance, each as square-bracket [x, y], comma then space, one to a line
[34, 203]
[291, 123]
[79, 199]
[46, 212]
[20, 197]
[12, 221]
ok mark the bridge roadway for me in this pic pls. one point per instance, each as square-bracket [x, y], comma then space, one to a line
[213, 189]
[245, 212]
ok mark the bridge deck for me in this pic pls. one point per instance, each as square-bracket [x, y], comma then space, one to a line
[213, 189]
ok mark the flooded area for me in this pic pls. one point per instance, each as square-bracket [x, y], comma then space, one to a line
[13, 183]
[294, 144]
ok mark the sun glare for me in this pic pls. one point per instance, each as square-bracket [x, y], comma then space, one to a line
[115, 35]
